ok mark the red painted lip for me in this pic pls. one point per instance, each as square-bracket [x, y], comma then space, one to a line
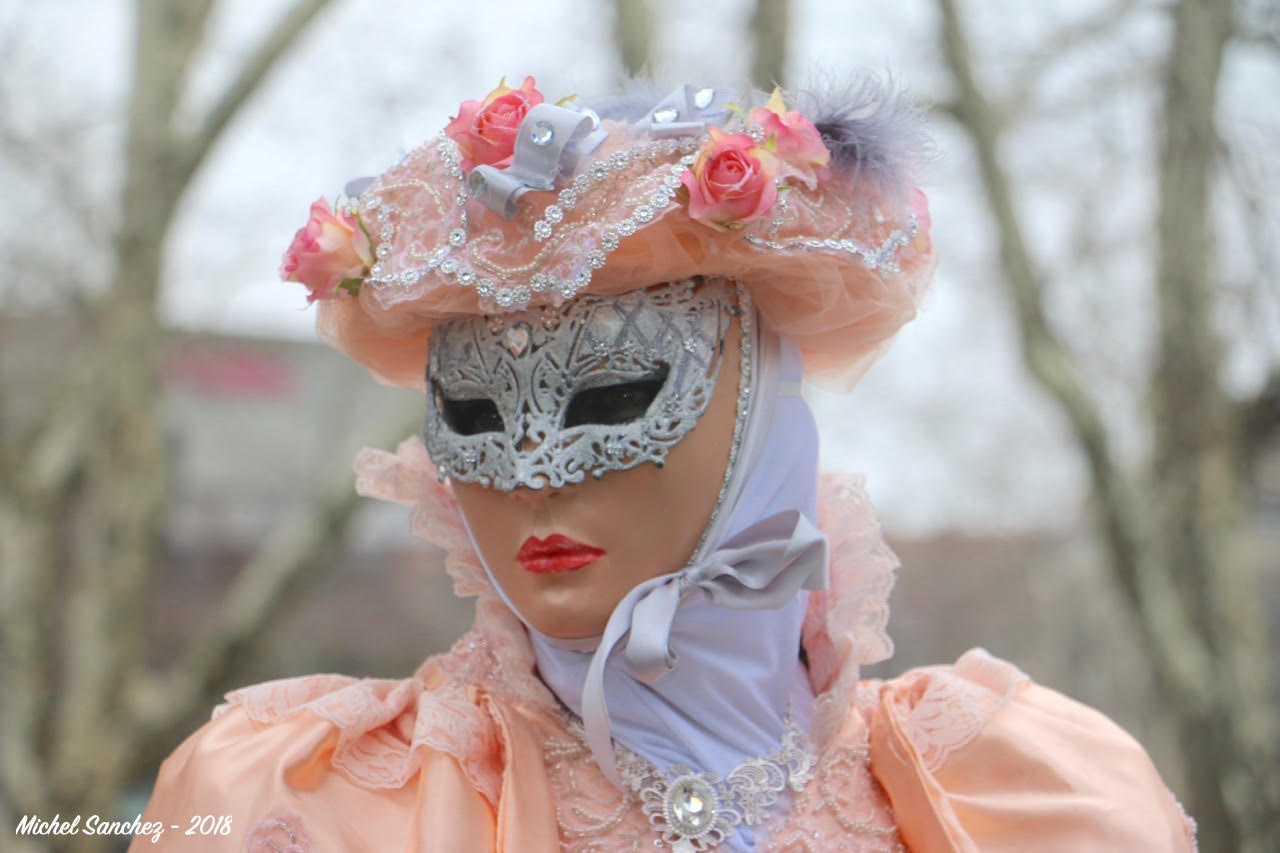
[556, 553]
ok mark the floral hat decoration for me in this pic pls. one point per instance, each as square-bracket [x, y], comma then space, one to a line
[521, 203]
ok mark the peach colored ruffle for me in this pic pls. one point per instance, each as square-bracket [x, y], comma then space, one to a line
[471, 752]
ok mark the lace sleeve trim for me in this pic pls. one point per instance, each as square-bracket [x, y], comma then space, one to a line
[847, 624]
[943, 708]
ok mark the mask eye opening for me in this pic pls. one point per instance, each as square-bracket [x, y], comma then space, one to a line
[471, 416]
[616, 404]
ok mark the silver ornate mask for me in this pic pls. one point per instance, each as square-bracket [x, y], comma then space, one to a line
[544, 396]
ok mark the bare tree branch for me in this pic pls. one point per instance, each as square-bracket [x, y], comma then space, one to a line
[276, 572]
[194, 149]
[1050, 363]
[1059, 46]
[38, 160]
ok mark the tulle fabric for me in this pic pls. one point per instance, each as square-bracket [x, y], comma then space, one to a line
[832, 303]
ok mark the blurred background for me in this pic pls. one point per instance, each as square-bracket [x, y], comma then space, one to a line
[1075, 449]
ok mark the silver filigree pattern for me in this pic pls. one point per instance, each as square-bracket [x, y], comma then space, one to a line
[526, 369]
[694, 811]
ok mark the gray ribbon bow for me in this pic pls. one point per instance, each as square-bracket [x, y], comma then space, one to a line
[551, 139]
[762, 568]
[688, 110]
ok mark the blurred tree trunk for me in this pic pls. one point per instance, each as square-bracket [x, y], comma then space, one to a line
[770, 27]
[84, 492]
[632, 30]
[1177, 534]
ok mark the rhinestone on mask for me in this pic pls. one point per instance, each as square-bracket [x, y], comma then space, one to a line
[702, 98]
[516, 339]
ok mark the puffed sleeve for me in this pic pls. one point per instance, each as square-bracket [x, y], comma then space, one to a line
[976, 757]
[360, 767]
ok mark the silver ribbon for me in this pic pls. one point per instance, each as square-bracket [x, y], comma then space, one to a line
[762, 568]
[688, 110]
[550, 140]
[356, 186]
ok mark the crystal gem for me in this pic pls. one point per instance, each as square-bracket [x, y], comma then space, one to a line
[541, 230]
[666, 115]
[553, 214]
[477, 183]
[702, 98]
[692, 805]
[457, 237]
[541, 133]
[383, 251]
[516, 339]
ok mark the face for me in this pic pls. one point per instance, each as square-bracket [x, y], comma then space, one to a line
[566, 552]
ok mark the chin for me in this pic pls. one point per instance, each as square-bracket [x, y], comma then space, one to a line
[563, 616]
[568, 626]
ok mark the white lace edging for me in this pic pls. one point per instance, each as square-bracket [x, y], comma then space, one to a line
[846, 625]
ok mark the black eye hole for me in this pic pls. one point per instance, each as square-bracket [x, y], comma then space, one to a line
[470, 417]
[620, 403]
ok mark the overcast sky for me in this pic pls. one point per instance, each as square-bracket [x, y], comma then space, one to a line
[949, 430]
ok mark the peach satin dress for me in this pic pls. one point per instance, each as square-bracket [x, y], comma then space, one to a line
[474, 753]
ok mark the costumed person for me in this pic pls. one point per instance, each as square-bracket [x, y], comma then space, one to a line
[610, 308]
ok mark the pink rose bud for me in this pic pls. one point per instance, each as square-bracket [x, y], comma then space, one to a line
[329, 250]
[732, 181]
[797, 142]
[486, 130]
[920, 210]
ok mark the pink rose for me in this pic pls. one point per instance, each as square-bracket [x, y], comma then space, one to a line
[732, 181]
[486, 130]
[920, 210]
[797, 141]
[328, 252]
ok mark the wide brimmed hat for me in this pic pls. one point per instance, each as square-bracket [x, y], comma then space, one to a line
[522, 203]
